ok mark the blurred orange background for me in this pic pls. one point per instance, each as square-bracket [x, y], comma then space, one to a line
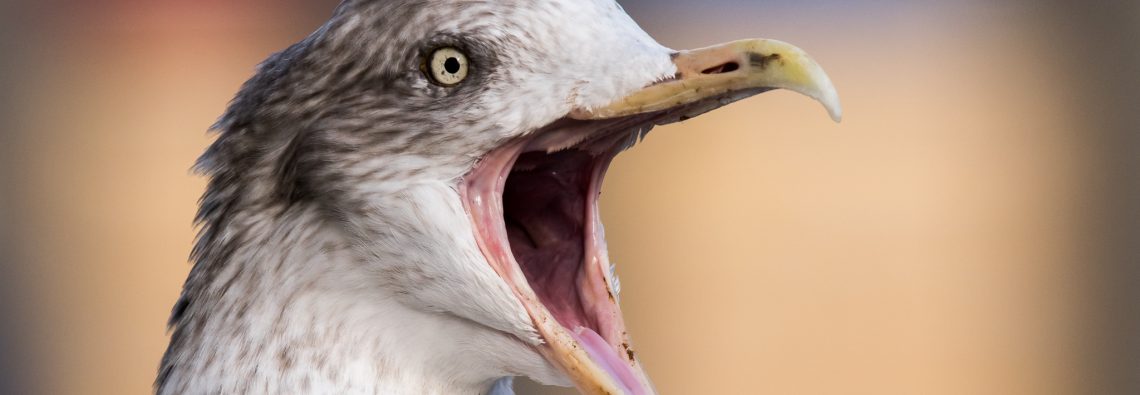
[968, 229]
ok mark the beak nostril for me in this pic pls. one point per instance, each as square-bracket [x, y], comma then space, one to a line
[722, 68]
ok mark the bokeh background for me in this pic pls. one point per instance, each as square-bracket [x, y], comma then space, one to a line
[970, 228]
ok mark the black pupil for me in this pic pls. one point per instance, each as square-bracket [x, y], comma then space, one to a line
[451, 65]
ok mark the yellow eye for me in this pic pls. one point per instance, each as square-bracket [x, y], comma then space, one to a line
[447, 66]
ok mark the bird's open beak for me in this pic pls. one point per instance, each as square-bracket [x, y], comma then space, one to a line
[740, 66]
[533, 201]
[718, 74]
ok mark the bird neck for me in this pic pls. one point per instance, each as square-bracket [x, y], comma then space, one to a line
[279, 304]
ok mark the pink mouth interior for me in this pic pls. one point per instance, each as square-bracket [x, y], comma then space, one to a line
[534, 207]
[549, 209]
[544, 208]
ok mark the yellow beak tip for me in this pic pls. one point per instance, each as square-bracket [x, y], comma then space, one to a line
[834, 109]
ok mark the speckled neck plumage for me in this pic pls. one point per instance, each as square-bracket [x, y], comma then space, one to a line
[283, 319]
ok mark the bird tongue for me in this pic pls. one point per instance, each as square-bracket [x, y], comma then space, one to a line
[601, 352]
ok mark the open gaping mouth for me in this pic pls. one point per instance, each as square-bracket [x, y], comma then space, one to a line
[535, 206]
[534, 203]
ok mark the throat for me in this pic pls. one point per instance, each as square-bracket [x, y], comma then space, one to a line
[287, 313]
